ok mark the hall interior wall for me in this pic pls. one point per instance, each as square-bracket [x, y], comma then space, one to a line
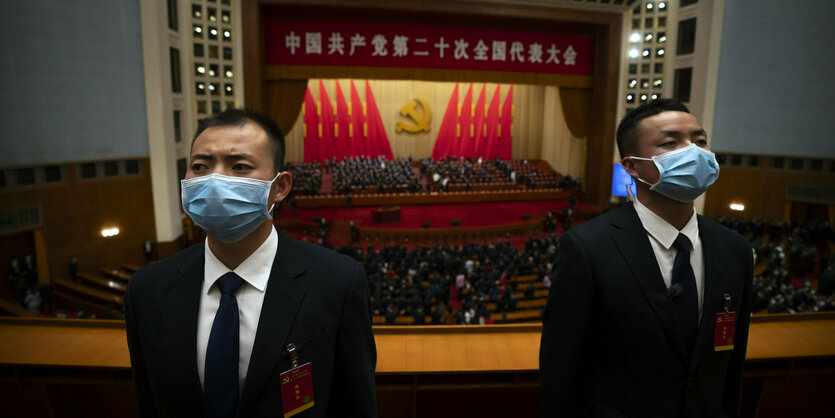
[74, 211]
[761, 189]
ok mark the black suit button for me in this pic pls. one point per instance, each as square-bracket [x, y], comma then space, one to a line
[690, 383]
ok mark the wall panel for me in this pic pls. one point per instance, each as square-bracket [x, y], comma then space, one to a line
[762, 190]
[74, 211]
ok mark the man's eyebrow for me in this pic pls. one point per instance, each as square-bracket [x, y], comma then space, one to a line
[676, 132]
[202, 157]
[241, 156]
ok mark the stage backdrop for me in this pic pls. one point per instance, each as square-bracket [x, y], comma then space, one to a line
[539, 128]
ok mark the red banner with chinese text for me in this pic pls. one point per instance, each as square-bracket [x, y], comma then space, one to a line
[322, 43]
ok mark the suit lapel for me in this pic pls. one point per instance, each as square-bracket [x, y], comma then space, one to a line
[713, 283]
[183, 298]
[633, 243]
[285, 293]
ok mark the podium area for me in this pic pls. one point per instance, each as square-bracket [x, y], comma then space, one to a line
[81, 368]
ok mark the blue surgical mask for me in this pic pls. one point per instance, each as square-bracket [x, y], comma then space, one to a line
[227, 208]
[685, 173]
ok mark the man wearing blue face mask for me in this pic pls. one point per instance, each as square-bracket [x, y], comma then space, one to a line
[251, 322]
[649, 305]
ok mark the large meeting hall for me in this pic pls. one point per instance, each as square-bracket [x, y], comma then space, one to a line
[456, 158]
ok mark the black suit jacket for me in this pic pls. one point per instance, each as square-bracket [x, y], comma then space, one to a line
[316, 299]
[610, 343]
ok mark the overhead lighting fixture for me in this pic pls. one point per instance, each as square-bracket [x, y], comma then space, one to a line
[739, 207]
[633, 53]
[109, 232]
[635, 37]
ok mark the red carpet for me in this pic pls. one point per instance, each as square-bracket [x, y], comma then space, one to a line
[470, 214]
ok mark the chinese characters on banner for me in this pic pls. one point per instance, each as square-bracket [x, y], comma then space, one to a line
[317, 43]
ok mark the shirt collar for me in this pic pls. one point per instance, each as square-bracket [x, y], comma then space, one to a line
[661, 230]
[255, 270]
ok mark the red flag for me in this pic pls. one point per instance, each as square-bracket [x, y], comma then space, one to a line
[358, 128]
[473, 148]
[446, 134]
[311, 128]
[506, 120]
[465, 120]
[377, 137]
[326, 120]
[490, 143]
[343, 123]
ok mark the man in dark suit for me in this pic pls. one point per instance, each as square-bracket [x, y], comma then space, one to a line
[212, 328]
[630, 325]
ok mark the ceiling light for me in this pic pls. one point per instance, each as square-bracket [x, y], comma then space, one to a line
[109, 232]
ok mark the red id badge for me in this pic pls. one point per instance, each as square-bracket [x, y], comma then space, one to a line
[724, 338]
[297, 390]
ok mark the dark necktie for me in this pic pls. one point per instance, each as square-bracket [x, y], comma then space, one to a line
[220, 382]
[687, 302]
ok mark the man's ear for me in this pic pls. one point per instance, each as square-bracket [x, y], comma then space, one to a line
[629, 165]
[283, 185]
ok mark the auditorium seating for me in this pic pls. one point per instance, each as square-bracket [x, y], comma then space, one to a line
[102, 304]
[790, 258]
[793, 260]
[93, 295]
[102, 283]
[13, 309]
[362, 175]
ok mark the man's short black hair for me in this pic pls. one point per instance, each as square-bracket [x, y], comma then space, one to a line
[240, 117]
[628, 127]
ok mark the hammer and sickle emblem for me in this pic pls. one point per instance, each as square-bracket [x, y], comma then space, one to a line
[421, 119]
[286, 380]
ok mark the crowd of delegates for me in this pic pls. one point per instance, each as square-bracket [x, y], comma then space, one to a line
[374, 174]
[429, 281]
[23, 281]
[307, 177]
[443, 173]
[793, 252]
[378, 174]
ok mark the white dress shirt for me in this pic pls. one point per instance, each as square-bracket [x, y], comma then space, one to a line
[661, 237]
[255, 271]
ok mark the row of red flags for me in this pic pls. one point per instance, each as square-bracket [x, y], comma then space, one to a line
[344, 131]
[356, 129]
[471, 130]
